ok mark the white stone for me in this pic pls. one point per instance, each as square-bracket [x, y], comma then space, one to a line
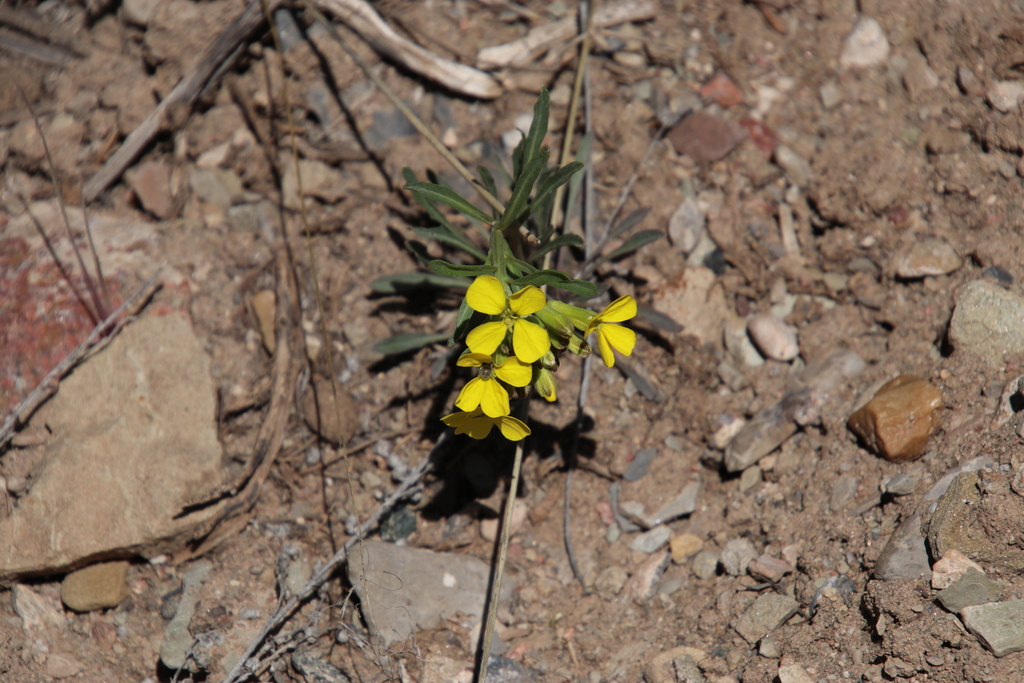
[865, 47]
[1005, 95]
[686, 225]
[774, 338]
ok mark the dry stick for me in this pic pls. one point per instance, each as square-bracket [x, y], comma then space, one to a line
[499, 570]
[402, 107]
[243, 668]
[48, 386]
[186, 92]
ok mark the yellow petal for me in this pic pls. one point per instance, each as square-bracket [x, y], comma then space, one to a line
[529, 341]
[514, 371]
[486, 296]
[485, 339]
[494, 399]
[603, 346]
[622, 309]
[477, 428]
[471, 394]
[622, 339]
[512, 429]
[527, 301]
[458, 420]
[473, 360]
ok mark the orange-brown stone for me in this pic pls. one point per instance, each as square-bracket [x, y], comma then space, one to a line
[899, 420]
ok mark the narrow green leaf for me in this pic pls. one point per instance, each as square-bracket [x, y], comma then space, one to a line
[499, 164]
[406, 282]
[632, 244]
[581, 288]
[658, 319]
[439, 267]
[576, 182]
[418, 250]
[521, 193]
[553, 182]
[538, 127]
[521, 265]
[488, 180]
[407, 341]
[442, 194]
[409, 175]
[462, 321]
[629, 221]
[556, 278]
[565, 240]
[455, 239]
[517, 159]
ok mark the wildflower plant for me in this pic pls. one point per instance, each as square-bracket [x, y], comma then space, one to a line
[514, 334]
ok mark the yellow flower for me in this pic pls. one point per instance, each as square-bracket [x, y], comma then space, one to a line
[478, 426]
[530, 341]
[485, 391]
[611, 336]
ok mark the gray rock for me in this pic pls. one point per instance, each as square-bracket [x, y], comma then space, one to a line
[986, 321]
[929, 256]
[315, 670]
[942, 485]
[768, 612]
[765, 432]
[177, 638]
[750, 478]
[217, 186]
[736, 555]
[686, 225]
[918, 77]
[318, 180]
[865, 47]
[949, 526]
[797, 169]
[135, 427]
[902, 484]
[1005, 96]
[639, 465]
[651, 541]
[904, 555]
[843, 492]
[403, 590]
[705, 564]
[999, 625]
[683, 504]
[973, 588]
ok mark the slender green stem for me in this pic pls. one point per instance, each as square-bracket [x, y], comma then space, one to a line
[499, 570]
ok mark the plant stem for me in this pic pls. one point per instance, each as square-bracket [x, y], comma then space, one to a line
[499, 569]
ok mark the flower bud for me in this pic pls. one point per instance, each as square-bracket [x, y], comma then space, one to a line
[559, 326]
[579, 347]
[544, 382]
[548, 361]
[580, 317]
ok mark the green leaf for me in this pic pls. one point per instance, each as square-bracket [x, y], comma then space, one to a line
[556, 278]
[632, 244]
[516, 266]
[419, 250]
[488, 180]
[462, 321]
[406, 282]
[553, 182]
[442, 194]
[407, 341]
[629, 221]
[521, 193]
[439, 267]
[538, 127]
[456, 239]
[658, 319]
[566, 240]
[576, 182]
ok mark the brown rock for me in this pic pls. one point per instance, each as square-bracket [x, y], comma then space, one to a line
[151, 182]
[705, 137]
[722, 91]
[319, 413]
[898, 421]
[97, 586]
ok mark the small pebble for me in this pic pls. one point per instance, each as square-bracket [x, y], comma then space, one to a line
[1004, 96]
[722, 91]
[686, 225]
[945, 141]
[750, 478]
[97, 586]
[931, 256]
[797, 169]
[705, 564]
[769, 649]
[705, 137]
[794, 673]
[843, 492]
[651, 541]
[736, 555]
[773, 337]
[489, 527]
[264, 305]
[640, 463]
[768, 612]
[685, 546]
[951, 566]
[968, 82]
[831, 94]
[918, 77]
[768, 568]
[900, 419]
[865, 47]
[973, 588]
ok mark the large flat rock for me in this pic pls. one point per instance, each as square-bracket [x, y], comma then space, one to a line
[133, 439]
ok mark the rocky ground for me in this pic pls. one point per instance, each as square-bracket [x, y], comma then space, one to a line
[814, 475]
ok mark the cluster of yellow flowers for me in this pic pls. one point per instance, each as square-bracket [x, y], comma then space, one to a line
[517, 347]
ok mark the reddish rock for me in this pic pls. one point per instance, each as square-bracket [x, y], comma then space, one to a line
[705, 137]
[899, 420]
[151, 182]
[722, 91]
